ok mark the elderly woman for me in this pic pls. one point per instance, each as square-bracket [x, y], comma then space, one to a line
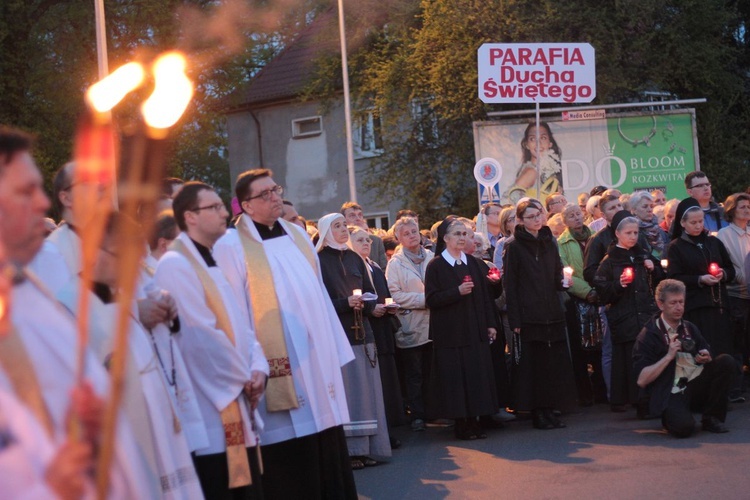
[344, 272]
[626, 281]
[542, 374]
[384, 326]
[571, 244]
[481, 246]
[642, 206]
[462, 325]
[406, 274]
[690, 255]
[669, 212]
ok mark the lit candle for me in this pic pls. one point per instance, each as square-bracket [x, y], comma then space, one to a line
[664, 263]
[628, 274]
[714, 269]
[494, 274]
[568, 272]
[388, 301]
[567, 276]
[467, 279]
[357, 292]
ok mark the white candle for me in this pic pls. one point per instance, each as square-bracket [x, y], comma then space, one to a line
[567, 272]
[664, 263]
[388, 301]
[357, 292]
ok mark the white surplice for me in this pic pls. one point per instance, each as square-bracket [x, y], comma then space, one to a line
[147, 400]
[48, 332]
[315, 340]
[217, 369]
[50, 267]
[25, 452]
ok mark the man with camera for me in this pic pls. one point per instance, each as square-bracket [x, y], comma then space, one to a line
[675, 368]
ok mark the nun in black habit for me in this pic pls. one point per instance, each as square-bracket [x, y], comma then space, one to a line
[462, 325]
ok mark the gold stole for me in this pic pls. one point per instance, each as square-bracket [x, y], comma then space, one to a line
[280, 393]
[231, 418]
[17, 365]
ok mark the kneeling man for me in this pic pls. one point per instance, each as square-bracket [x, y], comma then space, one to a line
[674, 366]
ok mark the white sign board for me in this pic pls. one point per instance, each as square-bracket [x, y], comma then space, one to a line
[536, 72]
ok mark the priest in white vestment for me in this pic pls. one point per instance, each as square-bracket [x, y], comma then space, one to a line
[43, 336]
[151, 374]
[303, 339]
[225, 361]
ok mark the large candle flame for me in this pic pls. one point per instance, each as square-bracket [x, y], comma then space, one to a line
[106, 93]
[172, 92]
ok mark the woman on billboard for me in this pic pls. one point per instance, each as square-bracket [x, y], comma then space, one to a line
[550, 175]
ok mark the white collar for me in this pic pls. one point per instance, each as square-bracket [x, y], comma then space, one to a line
[451, 260]
[737, 229]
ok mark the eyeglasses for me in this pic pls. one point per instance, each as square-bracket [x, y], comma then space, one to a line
[701, 185]
[460, 233]
[216, 207]
[266, 194]
[538, 216]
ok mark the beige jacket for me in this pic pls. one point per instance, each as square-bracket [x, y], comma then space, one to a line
[406, 284]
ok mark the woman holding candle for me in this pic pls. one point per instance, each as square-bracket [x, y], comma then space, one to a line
[384, 326]
[405, 274]
[542, 374]
[462, 325]
[626, 280]
[572, 243]
[642, 206]
[346, 278]
[702, 262]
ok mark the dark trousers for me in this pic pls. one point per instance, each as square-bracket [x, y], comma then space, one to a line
[313, 467]
[213, 474]
[739, 317]
[707, 393]
[416, 367]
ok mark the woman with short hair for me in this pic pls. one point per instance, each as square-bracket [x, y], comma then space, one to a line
[642, 206]
[542, 374]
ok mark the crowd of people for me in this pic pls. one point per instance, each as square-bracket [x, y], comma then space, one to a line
[269, 356]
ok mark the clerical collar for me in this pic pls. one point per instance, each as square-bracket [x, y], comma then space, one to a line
[267, 233]
[205, 253]
[451, 259]
[104, 292]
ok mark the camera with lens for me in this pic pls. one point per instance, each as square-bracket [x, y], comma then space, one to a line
[688, 345]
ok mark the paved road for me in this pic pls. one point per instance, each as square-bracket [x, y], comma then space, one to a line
[600, 454]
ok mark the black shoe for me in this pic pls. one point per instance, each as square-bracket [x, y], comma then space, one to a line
[540, 421]
[713, 424]
[464, 430]
[556, 422]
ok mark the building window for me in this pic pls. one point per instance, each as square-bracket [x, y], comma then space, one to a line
[307, 127]
[367, 134]
[426, 122]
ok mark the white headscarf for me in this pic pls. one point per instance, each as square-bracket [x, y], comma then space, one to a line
[326, 238]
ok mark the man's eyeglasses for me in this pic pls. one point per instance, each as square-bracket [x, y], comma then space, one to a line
[266, 194]
[701, 185]
[460, 233]
[216, 207]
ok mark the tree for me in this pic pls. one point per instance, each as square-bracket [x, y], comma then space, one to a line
[692, 48]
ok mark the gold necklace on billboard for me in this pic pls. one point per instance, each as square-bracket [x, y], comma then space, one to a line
[646, 139]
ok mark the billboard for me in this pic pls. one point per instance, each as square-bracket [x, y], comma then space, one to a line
[628, 151]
